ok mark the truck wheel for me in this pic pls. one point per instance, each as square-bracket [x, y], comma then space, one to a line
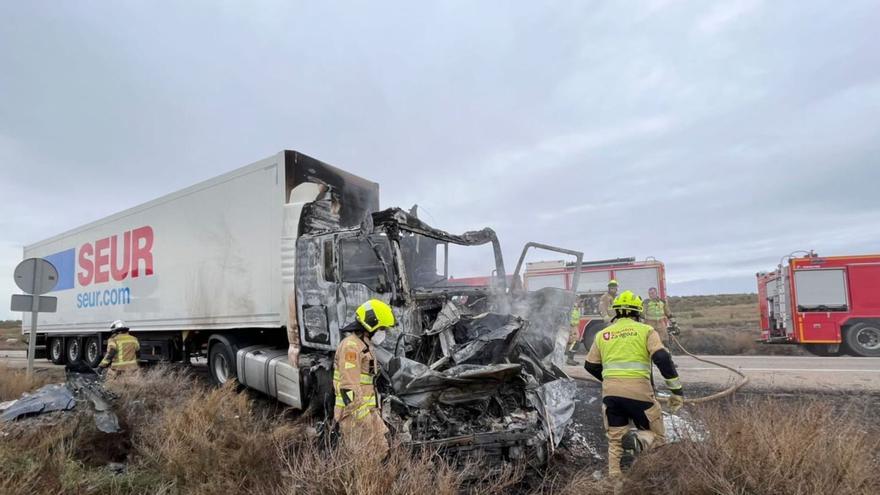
[92, 351]
[863, 339]
[74, 350]
[56, 350]
[221, 363]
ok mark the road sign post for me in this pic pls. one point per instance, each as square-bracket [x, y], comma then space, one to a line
[34, 276]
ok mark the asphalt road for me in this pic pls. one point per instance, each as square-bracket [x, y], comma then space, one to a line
[778, 372]
[765, 372]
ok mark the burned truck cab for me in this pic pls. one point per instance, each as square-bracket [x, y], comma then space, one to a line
[469, 366]
[393, 257]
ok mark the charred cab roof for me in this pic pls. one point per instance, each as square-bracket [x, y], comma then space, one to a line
[396, 218]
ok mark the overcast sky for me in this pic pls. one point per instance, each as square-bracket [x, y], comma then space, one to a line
[716, 137]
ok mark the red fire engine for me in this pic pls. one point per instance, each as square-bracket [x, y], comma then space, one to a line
[830, 305]
[637, 276]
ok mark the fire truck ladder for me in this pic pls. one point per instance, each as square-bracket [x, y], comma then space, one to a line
[781, 307]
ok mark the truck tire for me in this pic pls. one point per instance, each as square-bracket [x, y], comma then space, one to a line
[590, 331]
[221, 363]
[74, 350]
[863, 339]
[92, 351]
[56, 350]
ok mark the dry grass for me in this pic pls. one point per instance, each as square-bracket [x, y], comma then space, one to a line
[10, 335]
[723, 325]
[762, 446]
[182, 437]
[14, 381]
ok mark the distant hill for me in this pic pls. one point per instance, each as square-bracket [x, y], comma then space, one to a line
[723, 324]
[724, 285]
[10, 335]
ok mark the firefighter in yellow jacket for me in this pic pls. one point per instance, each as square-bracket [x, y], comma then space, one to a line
[357, 405]
[657, 314]
[122, 350]
[573, 334]
[621, 357]
[605, 302]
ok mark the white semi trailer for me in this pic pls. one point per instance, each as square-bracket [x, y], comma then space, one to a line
[260, 268]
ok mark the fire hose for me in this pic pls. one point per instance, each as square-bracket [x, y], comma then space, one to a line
[673, 333]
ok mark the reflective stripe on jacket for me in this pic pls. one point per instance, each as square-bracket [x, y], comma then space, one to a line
[623, 347]
[126, 347]
[353, 371]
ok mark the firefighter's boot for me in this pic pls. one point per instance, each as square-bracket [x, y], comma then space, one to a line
[632, 447]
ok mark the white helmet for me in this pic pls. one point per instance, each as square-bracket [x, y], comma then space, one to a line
[118, 326]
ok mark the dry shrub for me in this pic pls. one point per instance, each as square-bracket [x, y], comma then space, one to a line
[766, 446]
[214, 440]
[182, 437]
[33, 459]
[14, 381]
[211, 442]
[757, 447]
[147, 393]
[311, 470]
[63, 452]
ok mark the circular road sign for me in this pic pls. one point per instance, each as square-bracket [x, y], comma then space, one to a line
[36, 276]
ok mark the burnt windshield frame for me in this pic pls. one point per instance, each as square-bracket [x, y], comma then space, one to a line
[408, 259]
[390, 285]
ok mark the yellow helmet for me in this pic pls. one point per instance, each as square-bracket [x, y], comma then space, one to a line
[612, 283]
[375, 314]
[627, 301]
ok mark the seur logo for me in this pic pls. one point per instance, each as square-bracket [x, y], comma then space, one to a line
[116, 258]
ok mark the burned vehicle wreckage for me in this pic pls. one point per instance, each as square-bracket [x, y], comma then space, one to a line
[471, 366]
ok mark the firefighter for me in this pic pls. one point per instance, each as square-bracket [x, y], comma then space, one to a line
[357, 405]
[605, 302]
[657, 314]
[620, 358]
[122, 350]
[573, 334]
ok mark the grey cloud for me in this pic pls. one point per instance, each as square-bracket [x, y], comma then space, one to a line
[714, 137]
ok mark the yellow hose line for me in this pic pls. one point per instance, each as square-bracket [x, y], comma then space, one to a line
[699, 400]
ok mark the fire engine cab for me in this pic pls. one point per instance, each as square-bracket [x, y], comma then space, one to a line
[829, 305]
[637, 276]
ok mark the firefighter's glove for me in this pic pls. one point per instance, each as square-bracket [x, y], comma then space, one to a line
[676, 399]
[347, 396]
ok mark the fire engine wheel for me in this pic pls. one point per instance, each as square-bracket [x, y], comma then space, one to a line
[864, 339]
[56, 350]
